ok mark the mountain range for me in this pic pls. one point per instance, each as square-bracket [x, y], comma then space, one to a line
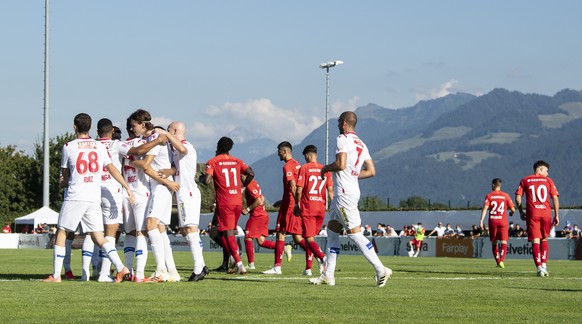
[447, 150]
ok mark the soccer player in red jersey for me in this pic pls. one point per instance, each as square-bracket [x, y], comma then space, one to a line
[497, 203]
[311, 200]
[258, 224]
[538, 188]
[226, 171]
[287, 223]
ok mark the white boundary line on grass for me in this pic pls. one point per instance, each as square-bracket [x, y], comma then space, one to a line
[276, 278]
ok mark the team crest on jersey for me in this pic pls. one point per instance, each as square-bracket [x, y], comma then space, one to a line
[289, 173]
[255, 191]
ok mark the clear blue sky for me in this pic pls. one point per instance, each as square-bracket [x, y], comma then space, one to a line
[218, 65]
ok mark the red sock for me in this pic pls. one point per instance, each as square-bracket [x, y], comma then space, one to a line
[316, 250]
[279, 247]
[268, 245]
[308, 260]
[250, 248]
[495, 249]
[303, 245]
[233, 247]
[544, 250]
[503, 251]
[536, 254]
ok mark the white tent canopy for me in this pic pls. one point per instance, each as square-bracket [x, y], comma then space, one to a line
[43, 215]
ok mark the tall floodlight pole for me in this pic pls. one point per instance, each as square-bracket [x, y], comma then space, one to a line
[327, 66]
[46, 150]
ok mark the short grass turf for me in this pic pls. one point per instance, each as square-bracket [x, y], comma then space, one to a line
[421, 289]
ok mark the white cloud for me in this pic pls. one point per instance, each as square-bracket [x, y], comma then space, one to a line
[161, 121]
[444, 89]
[339, 107]
[259, 116]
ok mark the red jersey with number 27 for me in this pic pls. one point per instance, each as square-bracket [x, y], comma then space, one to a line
[226, 171]
[314, 195]
[538, 191]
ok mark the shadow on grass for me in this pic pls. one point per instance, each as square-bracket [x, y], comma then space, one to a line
[549, 289]
[20, 276]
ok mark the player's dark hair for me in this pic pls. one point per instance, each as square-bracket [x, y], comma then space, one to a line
[116, 133]
[83, 123]
[104, 126]
[350, 118]
[541, 163]
[130, 133]
[224, 145]
[285, 144]
[496, 182]
[142, 116]
[310, 149]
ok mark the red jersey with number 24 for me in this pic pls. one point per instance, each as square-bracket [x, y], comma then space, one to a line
[498, 202]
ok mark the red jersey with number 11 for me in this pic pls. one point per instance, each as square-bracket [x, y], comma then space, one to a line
[226, 171]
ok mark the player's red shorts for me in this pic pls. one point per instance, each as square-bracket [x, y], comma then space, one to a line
[538, 227]
[417, 243]
[312, 224]
[287, 222]
[257, 226]
[228, 216]
[498, 231]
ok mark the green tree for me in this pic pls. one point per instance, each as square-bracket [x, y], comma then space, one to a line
[207, 192]
[414, 202]
[372, 203]
[55, 154]
[17, 184]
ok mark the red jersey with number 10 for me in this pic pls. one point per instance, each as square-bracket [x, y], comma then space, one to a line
[538, 191]
[498, 202]
[226, 171]
[314, 195]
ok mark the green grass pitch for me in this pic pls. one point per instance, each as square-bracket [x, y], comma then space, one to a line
[421, 289]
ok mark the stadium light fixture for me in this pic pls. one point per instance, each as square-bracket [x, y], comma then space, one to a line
[327, 66]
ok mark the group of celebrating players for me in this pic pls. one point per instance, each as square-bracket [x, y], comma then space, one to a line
[109, 183]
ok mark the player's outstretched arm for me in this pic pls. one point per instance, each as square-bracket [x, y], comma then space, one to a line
[146, 147]
[368, 170]
[176, 143]
[340, 163]
[119, 178]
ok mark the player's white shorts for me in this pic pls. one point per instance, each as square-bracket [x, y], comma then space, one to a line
[189, 208]
[88, 214]
[111, 200]
[346, 214]
[134, 215]
[160, 204]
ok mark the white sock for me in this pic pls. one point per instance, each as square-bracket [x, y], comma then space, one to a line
[195, 244]
[111, 251]
[157, 242]
[87, 255]
[332, 251]
[67, 259]
[58, 258]
[368, 251]
[168, 255]
[141, 255]
[129, 251]
[105, 262]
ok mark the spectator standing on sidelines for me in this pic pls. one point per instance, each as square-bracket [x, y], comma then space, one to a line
[352, 162]
[439, 230]
[538, 190]
[311, 199]
[82, 165]
[497, 203]
[225, 171]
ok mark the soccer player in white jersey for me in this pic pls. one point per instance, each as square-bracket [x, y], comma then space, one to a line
[134, 214]
[82, 166]
[188, 197]
[352, 162]
[158, 211]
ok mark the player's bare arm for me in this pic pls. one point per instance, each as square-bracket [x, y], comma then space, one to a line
[119, 178]
[298, 193]
[483, 213]
[249, 176]
[259, 201]
[340, 163]
[146, 147]
[164, 173]
[147, 169]
[64, 178]
[556, 202]
[205, 179]
[176, 143]
[519, 206]
[368, 170]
